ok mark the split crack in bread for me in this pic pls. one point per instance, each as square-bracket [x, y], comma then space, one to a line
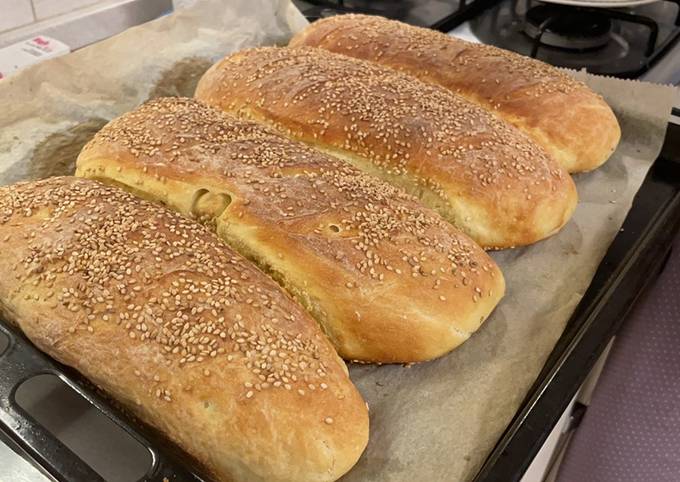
[479, 172]
[573, 123]
[192, 338]
[389, 280]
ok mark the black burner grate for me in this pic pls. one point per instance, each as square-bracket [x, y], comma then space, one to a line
[617, 42]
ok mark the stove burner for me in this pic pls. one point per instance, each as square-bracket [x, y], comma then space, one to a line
[568, 27]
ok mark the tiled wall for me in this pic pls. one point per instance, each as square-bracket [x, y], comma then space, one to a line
[16, 13]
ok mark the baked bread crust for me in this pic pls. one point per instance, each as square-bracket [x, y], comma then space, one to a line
[570, 121]
[479, 172]
[389, 280]
[188, 335]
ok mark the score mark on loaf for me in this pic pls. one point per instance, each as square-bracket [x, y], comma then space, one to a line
[478, 171]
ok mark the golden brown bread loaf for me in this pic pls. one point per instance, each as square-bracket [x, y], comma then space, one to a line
[563, 115]
[479, 172]
[388, 280]
[189, 336]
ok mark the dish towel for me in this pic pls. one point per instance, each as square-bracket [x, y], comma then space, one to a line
[631, 430]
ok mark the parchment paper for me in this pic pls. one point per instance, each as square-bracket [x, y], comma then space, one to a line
[429, 422]
[49, 111]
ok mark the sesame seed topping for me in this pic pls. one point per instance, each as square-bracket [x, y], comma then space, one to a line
[374, 232]
[372, 36]
[99, 243]
[362, 108]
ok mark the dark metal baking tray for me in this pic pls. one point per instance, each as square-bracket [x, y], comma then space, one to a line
[634, 259]
[636, 255]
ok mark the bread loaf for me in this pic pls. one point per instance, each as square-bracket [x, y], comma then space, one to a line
[563, 115]
[479, 172]
[189, 336]
[388, 280]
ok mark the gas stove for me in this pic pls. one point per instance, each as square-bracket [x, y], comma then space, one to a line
[623, 42]
[633, 42]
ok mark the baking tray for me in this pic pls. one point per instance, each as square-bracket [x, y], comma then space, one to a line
[637, 253]
[634, 259]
